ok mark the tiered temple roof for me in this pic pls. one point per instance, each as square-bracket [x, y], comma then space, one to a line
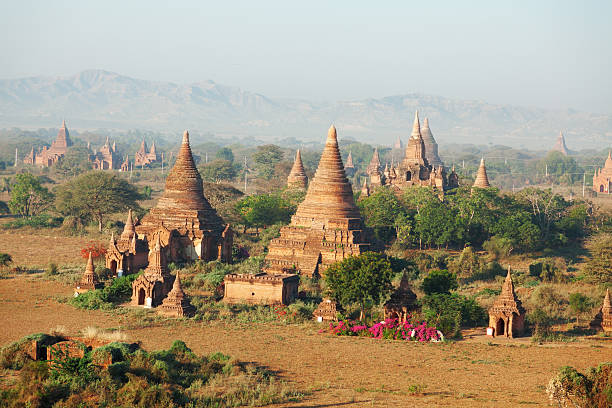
[176, 303]
[507, 314]
[326, 226]
[415, 150]
[482, 180]
[603, 318]
[374, 165]
[297, 177]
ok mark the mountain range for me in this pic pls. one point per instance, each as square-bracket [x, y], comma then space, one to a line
[95, 99]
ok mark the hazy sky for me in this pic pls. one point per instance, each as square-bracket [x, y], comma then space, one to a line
[553, 54]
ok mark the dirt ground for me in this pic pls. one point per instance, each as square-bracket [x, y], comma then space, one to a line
[337, 372]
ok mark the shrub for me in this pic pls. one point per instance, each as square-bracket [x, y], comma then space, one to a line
[37, 221]
[5, 260]
[498, 247]
[579, 304]
[388, 329]
[439, 281]
[120, 290]
[570, 388]
[451, 311]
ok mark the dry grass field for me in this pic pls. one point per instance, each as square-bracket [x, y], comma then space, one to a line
[336, 371]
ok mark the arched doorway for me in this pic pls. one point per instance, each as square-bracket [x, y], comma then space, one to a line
[408, 176]
[113, 266]
[601, 188]
[499, 327]
[141, 296]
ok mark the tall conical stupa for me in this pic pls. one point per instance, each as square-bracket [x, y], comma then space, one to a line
[326, 226]
[560, 145]
[200, 232]
[431, 147]
[297, 177]
[482, 180]
[415, 150]
[88, 281]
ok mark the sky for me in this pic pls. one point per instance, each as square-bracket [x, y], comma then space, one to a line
[545, 53]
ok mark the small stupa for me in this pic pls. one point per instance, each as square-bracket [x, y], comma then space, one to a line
[560, 145]
[176, 303]
[297, 177]
[327, 311]
[603, 318]
[507, 315]
[482, 180]
[349, 167]
[88, 281]
[365, 190]
[327, 225]
[401, 302]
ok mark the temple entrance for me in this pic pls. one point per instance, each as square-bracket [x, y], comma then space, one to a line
[113, 267]
[141, 296]
[601, 188]
[408, 176]
[499, 327]
[394, 315]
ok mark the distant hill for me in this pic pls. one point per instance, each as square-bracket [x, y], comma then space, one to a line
[101, 99]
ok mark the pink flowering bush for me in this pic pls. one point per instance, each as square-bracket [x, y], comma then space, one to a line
[388, 329]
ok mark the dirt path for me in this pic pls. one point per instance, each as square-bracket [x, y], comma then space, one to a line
[342, 372]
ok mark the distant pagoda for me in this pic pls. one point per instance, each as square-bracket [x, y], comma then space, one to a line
[88, 281]
[603, 318]
[327, 225]
[482, 180]
[560, 145]
[297, 177]
[176, 303]
[349, 167]
[602, 179]
[431, 147]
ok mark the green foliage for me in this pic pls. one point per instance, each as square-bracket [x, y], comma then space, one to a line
[120, 290]
[381, 211]
[167, 378]
[572, 388]
[16, 355]
[4, 208]
[560, 168]
[439, 281]
[226, 154]
[96, 194]
[359, 279]
[36, 221]
[597, 267]
[266, 157]
[5, 259]
[540, 321]
[28, 196]
[75, 161]
[146, 192]
[467, 264]
[265, 209]
[451, 311]
[579, 304]
[218, 170]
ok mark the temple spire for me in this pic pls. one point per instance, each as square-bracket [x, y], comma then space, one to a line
[349, 161]
[297, 177]
[90, 265]
[416, 127]
[482, 180]
[128, 229]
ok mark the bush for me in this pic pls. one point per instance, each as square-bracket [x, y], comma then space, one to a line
[120, 290]
[570, 388]
[5, 259]
[439, 281]
[451, 311]
[37, 221]
[498, 247]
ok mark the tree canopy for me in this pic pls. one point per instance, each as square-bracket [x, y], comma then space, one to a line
[360, 279]
[28, 196]
[95, 195]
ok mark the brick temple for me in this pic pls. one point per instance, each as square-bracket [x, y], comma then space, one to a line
[187, 226]
[327, 225]
[415, 169]
[507, 315]
[49, 156]
[297, 178]
[482, 180]
[603, 318]
[602, 179]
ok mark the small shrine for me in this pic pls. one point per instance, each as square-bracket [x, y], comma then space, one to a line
[127, 254]
[603, 318]
[176, 303]
[150, 288]
[261, 288]
[401, 303]
[507, 315]
[297, 178]
[88, 281]
[327, 311]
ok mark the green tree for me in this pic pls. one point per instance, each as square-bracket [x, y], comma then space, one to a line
[94, 195]
[28, 197]
[597, 267]
[450, 311]
[580, 304]
[359, 279]
[74, 162]
[5, 259]
[264, 209]
[225, 153]
[467, 264]
[439, 281]
[218, 170]
[266, 157]
[560, 168]
[380, 212]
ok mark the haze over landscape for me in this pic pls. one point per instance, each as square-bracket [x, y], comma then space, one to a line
[489, 73]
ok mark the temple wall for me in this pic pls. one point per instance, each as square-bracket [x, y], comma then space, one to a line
[253, 292]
